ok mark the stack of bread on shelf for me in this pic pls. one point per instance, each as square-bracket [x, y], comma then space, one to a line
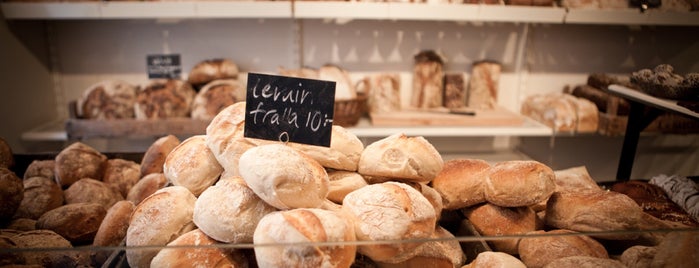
[562, 112]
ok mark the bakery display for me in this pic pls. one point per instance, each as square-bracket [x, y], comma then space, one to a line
[168, 98]
[111, 99]
[212, 69]
[78, 161]
[192, 165]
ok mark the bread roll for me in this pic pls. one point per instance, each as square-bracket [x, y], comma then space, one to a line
[157, 220]
[344, 88]
[148, 185]
[342, 183]
[389, 211]
[40, 195]
[343, 154]
[7, 159]
[78, 161]
[122, 174]
[212, 69]
[304, 225]
[585, 262]
[384, 93]
[154, 158]
[443, 252]
[229, 211]
[9, 254]
[76, 222]
[427, 80]
[402, 158]
[461, 182]
[111, 99]
[112, 230]
[41, 168]
[164, 98]
[484, 85]
[491, 259]
[201, 252]
[551, 110]
[92, 191]
[638, 256]
[11, 194]
[492, 220]
[192, 165]
[284, 177]
[432, 196]
[215, 96]
[587, 115]
[46, 258]
[555, 244]
[22, 224]
[678, 249]
[519, 183]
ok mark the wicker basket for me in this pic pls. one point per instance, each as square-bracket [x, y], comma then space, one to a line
[348, 112]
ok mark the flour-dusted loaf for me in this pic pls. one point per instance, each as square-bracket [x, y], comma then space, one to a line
[121, 174]
[78, 161]
[196, 249]
[432, 196]
[212, 69]
[92, 191]
[575, 179]
[402, 158]
[343, 154]
[344, 87]
[216, 96]
[157, 220]
[284, 177]
[442, 252]
[148, 185]
[41, 168]
[154, 157]
[112, 230]
[76, 222]
[544, 247]
[483, 86]
[110, 99]
[519, 183]
[461, 182]
[229, 211]
[11, 194]
[342, 183]
[304, 225]
[192, 165]
[40, 195]
[384, 93]
[550, 110]
[389, 211]
[164, 98]
[494, 259]
[492, 220]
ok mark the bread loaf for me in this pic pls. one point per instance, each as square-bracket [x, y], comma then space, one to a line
[284, 177]
[9, 254]
[154, 157]
[164, 99]
[192, 165]
[401, 157]
[41, 168]
[484, 85]
[46, 258]
[78, 223]
[443, 252]
[111, 99]
[215, 96]
[492, 220]
[638, 256]
[343, 154]
[575, 179]
[148, 185]
[40, 195]
[384, 93]
[461, 182]
[92, 191]
[7, 159]
[344, 88]
[157, 220]
[121, 174]
[229, 211]
[342, 183]
[212, 69]
[454, 91]
[112, 230]
[11, 194]
[492, 259]
[22, 224]
[519, 183]
[195, 249]
[432, 196]
[304, 226]
[678, 249]
[428, 81]
[544, 247]
[78, 161]
[389, 211]
[585, 262]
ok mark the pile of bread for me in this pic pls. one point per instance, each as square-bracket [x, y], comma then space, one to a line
[562, 112]
[221, 199]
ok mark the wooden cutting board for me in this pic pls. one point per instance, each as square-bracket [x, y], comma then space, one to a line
[482, 118]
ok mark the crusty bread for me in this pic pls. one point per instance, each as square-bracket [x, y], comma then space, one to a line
[389, 211]
[342, 183]
[7, 159]
[121, 174]
[343, 154]
[192, 165]
[229, 211]
[195, 249]
[461, 182]
[41, 168]
[484, 84]
[384, 93]
[154, 157]
[304, 225]
[112, 230]
[585, 262]
[156, 221]
[76, 222]
[344, 88]
[678, 249]
[164, 98]
[443, 251]
[110, 99]
[92, 191]
[519, 183]
[8, 252]
[492, 220]
[40, 195]
[546, 246]
[146, 186]
[284, 177]
[46, 239]
[492, 259]
[402, 158]
[428, 80]
[212, 69]
[11, 194]
[78, 161]
[575, 179]
[215, 96]
[432, 196]
[638, 256]
[22, 224]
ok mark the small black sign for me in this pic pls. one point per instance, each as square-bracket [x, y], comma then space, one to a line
[166, 66]
[291, 109]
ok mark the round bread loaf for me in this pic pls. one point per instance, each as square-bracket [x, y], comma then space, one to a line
[401, 158]
[41, 168]
[112, 230]
[47, 258]
[344, 88]
[40, 195]
[111, 99]
[11, 194]
[493, 259]
[343, 154]
[22, 224]
[78, 161]
[9, 255]
[444, 251]
[154, 158]
[7, 159]
[342, 183]
[92, 191]
[229, 211]
[389, 211]
[519, 183]
[492, 220]
[192, 165]
[213, 69]
[164, 99]
[555, 244]
[284, 177]
[146, 186]
[121, 174]
[638, 256]
[432, 195]
[76, 222]
[216, 96]
[461, 182]
[156, 221]
[304, 226]
[585, 262]
[200, 253]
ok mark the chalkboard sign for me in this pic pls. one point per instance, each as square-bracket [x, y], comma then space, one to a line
[164, 66]
[291, 109]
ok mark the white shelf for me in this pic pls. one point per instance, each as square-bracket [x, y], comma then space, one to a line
[530, 128]
[631, 16]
